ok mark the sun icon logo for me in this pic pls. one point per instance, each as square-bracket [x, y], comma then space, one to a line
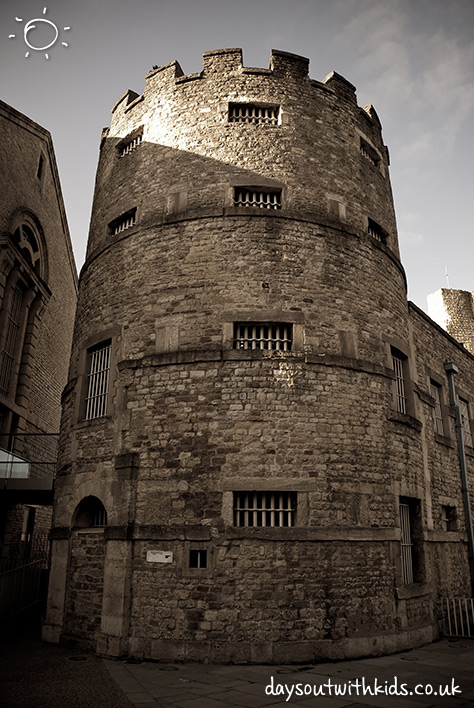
[44, 24]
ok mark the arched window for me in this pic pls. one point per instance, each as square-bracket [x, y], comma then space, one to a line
[27, 242]
[89, 513]
[24, 264]
[11, 345]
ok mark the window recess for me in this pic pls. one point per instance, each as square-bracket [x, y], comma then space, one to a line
[411, 540]
[263, 335]
[123, 222]
[466, 421]
[10, 345]
[198, 558]
[399, 361]
[257, 197]
[449, 518]
[435, 390]
[369, 153]
[376, 231]
[251, 113]
[99, 372]
[130, 143]
[271, 509]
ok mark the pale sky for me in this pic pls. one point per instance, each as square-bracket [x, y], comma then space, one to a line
[412, 59]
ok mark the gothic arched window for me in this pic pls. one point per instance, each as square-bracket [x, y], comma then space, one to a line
[89, 513]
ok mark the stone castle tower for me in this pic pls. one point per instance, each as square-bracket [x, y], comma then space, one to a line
[241, 449]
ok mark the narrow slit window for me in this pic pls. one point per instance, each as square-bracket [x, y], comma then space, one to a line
[399, 365]
[11, 336]
[255, 197]
[466, 421]
[263, 335]
[411, 541]
[406, 544]
[251, 113]
[376, 231]
[96, 401]
[438, 415]
[274, 509]
[39, 171]
[123, 222]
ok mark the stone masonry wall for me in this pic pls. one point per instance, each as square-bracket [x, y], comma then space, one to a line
[191, 420]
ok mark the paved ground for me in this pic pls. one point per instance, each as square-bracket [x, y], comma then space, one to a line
[37, 675]
[150, 685]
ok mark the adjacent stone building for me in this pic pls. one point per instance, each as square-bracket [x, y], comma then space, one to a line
[258, 458]
[38, 289]
[454, 311]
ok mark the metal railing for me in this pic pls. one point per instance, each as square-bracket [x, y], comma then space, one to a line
[28, 455]
[20, 588]
[457, 616]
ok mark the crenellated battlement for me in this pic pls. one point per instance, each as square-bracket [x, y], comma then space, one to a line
[229, 126]
[218, 62]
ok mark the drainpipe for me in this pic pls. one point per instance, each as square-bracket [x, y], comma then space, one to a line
[451, 369]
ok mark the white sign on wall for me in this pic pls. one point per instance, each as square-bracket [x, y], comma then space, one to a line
[159, 557]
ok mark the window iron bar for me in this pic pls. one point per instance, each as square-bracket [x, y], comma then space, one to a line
[131, 145]
[124, 223]
[96, 401]
[269, 509]
[270, 336]
[249, 113]
[406, 545]
[257, 199]
[398, 366]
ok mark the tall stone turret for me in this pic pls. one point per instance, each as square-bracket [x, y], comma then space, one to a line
[231, 470]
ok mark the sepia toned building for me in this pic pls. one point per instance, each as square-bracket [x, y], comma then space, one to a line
[258, 458]
[38, 289]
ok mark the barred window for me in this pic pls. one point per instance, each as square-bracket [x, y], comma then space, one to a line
[411, 541]
[406, 544]
[376, 231]
[263, 335]
[99, 516]
[399, 363]
[124, 221]
[12, 326]
[250, 113]
[435, 389]
[96, 401]
[255, 197]
[369, 153]
[90, 513]
[265, 508]
[466, 422]
[130, 144]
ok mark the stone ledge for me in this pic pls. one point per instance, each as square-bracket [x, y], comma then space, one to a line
[407, 592]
